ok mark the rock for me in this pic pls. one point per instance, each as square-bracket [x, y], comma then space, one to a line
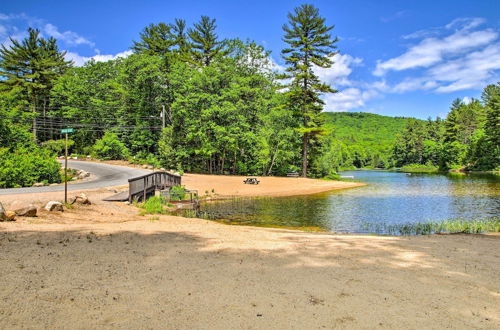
[28, 211]
[54, 206]
[145, 166]
[2, 212]
[39, 184]
[81, 199]
[10, 215]
[82, 175]
[150, 167]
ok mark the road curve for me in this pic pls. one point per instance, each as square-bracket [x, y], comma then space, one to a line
[105, 175]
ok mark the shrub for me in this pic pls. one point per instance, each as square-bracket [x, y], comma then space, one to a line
[57, 146]
[109, 147]
[26, 166]
[154, 205]
[177, 193]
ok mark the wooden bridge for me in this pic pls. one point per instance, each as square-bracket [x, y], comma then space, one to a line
[140, 188]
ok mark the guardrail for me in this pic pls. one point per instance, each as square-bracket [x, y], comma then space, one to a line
[142, 186]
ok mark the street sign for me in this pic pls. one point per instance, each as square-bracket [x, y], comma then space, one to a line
[66, 130]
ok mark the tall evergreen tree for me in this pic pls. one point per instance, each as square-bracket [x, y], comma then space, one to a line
[310, 44]
[491, 100]
[204, 41]
[32, 66]
[156, 39]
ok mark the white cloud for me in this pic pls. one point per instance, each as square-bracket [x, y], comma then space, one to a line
[348, 99]
[12, 24]
[69, 37]
[460, 58]
[465, 23]
[81, 60]
[466, 100]
[433, 50]
[338, 73]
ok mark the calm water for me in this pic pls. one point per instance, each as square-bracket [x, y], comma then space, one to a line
[390, 198]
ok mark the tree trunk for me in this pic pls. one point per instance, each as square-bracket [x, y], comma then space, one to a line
[223, 159]
[273, 160]
[234, 163]
[304, 154]
[34, 119]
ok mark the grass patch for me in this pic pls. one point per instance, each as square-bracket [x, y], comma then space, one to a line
[454, 226]
[154, 205]
[416, 168]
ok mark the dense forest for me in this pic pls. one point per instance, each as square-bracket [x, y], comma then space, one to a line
[364, 140]
[468, 138]
[190, 101]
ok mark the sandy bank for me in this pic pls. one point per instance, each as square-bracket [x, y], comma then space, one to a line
[268, 186]
[178, 273]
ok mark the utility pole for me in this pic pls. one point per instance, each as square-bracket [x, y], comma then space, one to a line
[66, 171]
[66, 131]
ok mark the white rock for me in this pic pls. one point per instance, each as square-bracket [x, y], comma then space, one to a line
[54, 206]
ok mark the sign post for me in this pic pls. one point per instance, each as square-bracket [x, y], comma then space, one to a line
[66, 131]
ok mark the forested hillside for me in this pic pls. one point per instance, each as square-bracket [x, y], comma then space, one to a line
[368, 138]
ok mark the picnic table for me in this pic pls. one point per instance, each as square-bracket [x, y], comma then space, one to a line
[251, 181]
[293, 174]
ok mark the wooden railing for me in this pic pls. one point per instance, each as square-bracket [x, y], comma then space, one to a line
[141, 187]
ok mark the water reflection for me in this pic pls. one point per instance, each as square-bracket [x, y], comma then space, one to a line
[389, 198]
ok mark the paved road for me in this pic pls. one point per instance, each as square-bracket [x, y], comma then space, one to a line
[105, 176]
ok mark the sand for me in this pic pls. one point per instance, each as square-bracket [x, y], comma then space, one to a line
[104, 266]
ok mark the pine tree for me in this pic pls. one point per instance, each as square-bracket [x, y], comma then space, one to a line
[32, 66]
[156, 39]
[310, 45]
[491, 99]
[204, 41]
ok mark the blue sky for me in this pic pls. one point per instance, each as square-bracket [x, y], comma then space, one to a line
[397, 58]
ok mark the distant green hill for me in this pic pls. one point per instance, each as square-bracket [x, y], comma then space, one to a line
[367, 136]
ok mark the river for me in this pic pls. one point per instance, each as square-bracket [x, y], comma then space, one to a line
[390, 198]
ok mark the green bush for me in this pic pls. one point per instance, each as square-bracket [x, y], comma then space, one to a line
[177, 193]
[26, 166]
[109, 147]
[154, 205]
[58, 146]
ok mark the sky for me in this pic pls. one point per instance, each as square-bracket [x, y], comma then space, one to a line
[396, 58]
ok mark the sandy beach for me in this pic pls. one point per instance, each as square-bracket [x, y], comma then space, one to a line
[104, 266]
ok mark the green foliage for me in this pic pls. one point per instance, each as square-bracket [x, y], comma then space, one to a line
[154, 205]
[109, 147]
[177, 193]
[310, 45]
[30, 67]
[204, 41]
[24, 166]
[419, 168]
[362, 139]
[57, 147]
[468, 138]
